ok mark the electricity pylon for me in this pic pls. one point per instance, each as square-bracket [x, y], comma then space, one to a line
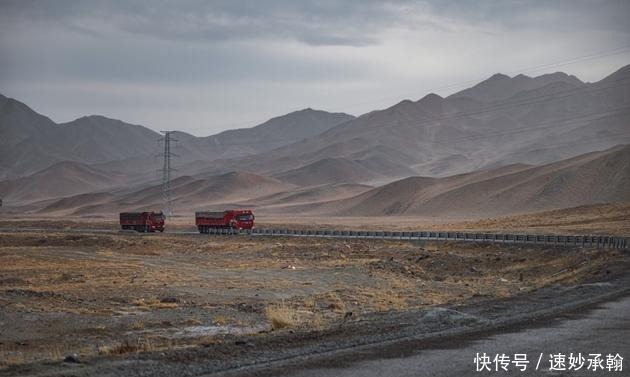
[166, 173]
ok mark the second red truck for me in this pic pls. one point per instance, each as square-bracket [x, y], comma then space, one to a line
[233, 219]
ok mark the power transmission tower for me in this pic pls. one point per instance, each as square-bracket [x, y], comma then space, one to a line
[166, 173]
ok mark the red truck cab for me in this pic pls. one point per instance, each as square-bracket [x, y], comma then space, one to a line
[235, 219]
[142, 221]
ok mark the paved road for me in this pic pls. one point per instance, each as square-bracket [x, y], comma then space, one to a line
[603, 330]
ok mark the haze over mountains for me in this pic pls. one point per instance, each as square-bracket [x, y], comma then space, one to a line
[506, 140]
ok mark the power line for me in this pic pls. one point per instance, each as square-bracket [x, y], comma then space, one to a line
[579, 59]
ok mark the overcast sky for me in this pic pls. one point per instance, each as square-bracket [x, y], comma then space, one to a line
[205, 66]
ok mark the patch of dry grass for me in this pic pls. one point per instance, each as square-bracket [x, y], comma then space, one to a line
[281, 316]
[137, 325]
[154, 303]
[129, 346]
[220, 320]
[13, 356]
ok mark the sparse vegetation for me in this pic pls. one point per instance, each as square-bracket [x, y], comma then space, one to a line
[154, 303]
[281, 316]
[137, 325]
[129, 346]
[193, 291]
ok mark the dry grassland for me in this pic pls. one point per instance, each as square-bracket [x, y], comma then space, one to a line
[105, 294]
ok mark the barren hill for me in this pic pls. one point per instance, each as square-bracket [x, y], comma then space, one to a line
[94, 139]
[274, 133]
[59, 180]
[311, 194]
[72, 203]
[501, 121]
[187, 194]
[597, 177]
[19, 152]
[30, 142]
[342, 170]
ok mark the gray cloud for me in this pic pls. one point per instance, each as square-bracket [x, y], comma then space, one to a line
[216, 63]
[351, 22]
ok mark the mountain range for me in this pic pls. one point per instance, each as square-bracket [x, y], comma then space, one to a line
[524, 142]
[497, 122]
[30, 142]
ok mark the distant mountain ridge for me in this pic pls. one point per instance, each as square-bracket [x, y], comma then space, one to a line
[277, 131]
[500, 121]
[30, 142]
[500, 86]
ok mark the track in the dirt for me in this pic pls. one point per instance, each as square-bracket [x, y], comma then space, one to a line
[603, 242]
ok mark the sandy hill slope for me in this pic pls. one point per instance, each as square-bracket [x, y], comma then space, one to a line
[59, 180]
[73, 203]
[187, 193]
[341, 170]
[597, 177]
[311, 194]
[526, 120]
[230, 186]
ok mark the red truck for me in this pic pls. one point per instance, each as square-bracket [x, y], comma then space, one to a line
[234, 219]
[142, 221]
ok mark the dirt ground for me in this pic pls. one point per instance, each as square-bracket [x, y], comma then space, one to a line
[112, 295]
